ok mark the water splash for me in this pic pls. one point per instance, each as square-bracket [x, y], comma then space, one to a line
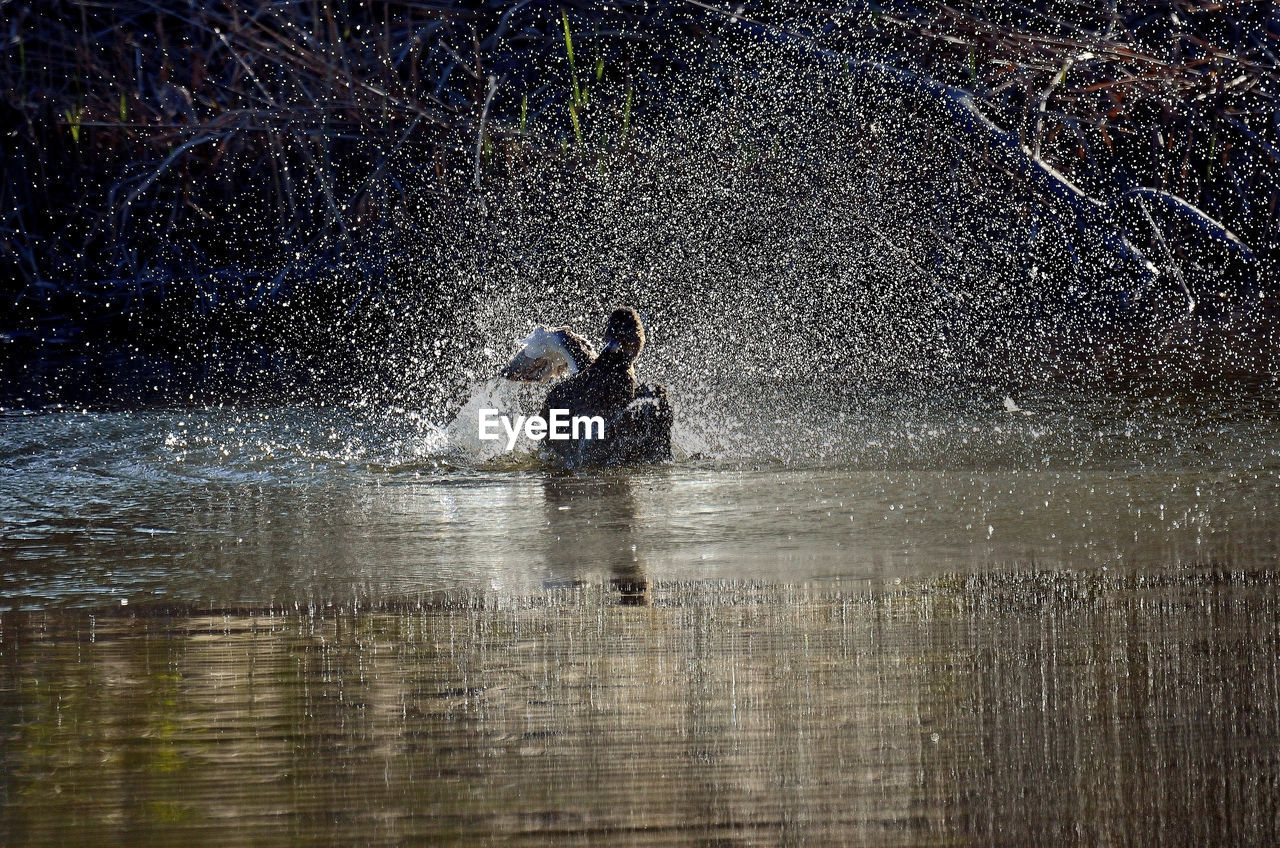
[463, 444]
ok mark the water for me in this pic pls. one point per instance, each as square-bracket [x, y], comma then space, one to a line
[262, 507]
[1006, 708]
[903, 621]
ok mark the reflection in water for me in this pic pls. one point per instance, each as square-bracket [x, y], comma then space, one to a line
[97, 541]
[960, 627]
[250, 508]
[1016, 708]
[592, 522]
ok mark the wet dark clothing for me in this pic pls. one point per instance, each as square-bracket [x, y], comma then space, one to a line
[637, 417]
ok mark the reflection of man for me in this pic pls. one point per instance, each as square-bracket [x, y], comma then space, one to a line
[592, 521]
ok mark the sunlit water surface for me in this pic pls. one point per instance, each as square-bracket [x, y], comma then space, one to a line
[1049, 620]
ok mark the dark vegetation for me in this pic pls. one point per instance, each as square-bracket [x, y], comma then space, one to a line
[1180, 97]
[232, 197]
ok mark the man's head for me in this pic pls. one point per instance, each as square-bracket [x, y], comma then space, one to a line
[624, 330]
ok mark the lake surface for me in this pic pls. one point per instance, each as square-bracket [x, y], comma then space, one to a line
[1048, 620]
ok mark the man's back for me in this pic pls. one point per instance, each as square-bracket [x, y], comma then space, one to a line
[604, 389]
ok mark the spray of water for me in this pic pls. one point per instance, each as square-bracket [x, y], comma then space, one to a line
[822, 258]
[811, 250]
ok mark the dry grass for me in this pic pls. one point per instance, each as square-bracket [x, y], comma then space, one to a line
[1176, 96]
[137, 126]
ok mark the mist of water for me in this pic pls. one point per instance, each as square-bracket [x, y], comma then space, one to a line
[803, 242]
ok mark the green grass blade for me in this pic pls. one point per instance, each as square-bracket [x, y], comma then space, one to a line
[573, 72]
[577, 127]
